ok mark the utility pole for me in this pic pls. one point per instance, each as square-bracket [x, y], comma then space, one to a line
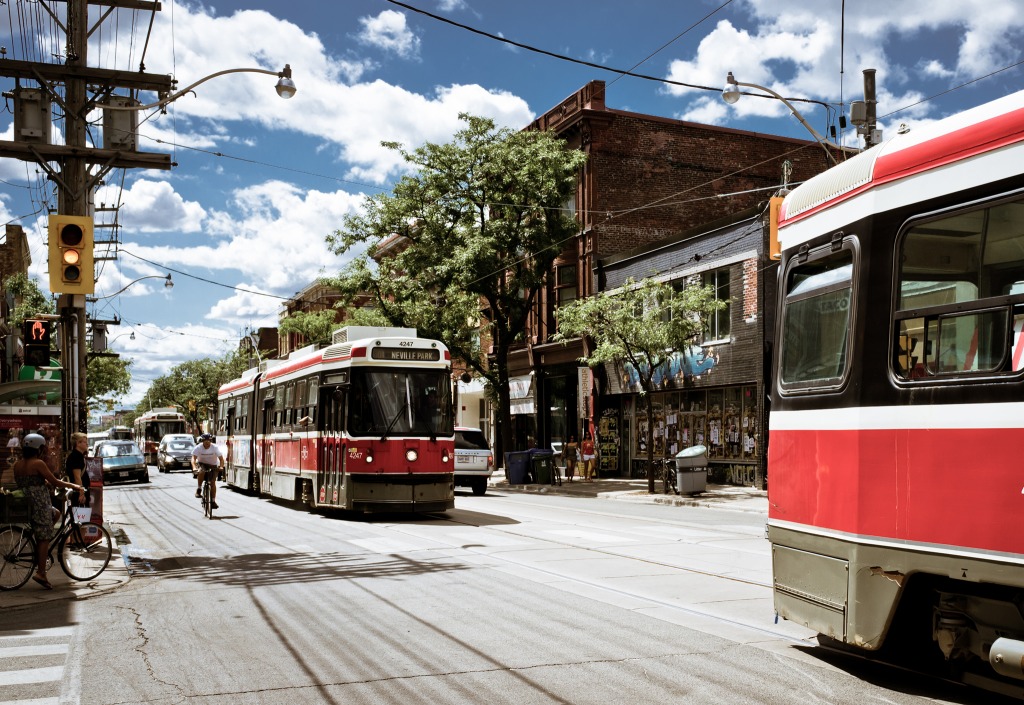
[69, 164]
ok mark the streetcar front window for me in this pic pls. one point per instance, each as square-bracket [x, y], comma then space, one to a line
[816, 321]
[399, 403]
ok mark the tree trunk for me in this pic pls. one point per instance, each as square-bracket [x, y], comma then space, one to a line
[649, 404]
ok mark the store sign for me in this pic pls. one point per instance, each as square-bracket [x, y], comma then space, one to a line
[583, 386]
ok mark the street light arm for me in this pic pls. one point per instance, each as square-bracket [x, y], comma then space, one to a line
[731, 81]
[285, 87]
[168, 284]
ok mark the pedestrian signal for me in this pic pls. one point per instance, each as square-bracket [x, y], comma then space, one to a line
[35, 336]
[71, 254]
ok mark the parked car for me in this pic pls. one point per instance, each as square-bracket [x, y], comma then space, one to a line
[175, 452]
[474, 462]
[122, 460]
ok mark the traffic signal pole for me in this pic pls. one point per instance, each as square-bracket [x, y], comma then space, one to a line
[74, 198]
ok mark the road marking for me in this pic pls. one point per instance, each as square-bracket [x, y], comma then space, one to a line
[41, 650]
[31, 675]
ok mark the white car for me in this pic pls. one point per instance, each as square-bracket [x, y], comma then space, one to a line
[474, 462]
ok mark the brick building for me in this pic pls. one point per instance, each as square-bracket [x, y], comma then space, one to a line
[15, 258]
[651, 184]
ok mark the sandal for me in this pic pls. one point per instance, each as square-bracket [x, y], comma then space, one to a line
[43, 581]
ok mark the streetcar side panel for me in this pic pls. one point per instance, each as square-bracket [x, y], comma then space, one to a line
[898, 398]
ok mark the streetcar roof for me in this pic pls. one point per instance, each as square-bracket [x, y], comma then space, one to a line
[335, 353]
[974, 132]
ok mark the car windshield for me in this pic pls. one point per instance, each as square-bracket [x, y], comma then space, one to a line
[112, 451]
[180, 445]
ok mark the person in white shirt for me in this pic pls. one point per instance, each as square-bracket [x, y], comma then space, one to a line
[207, 456]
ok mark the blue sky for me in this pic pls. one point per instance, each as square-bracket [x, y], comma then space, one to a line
[241, 221]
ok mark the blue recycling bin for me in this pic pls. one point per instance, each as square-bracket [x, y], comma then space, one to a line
[517, 467]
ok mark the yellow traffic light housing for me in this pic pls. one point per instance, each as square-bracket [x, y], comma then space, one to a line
[71, 254]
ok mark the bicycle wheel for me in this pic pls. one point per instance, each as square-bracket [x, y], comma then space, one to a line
[207, 500]
[17, 556]
[85, 551]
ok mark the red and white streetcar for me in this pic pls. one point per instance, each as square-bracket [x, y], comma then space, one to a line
[364, 424]
[896, 453]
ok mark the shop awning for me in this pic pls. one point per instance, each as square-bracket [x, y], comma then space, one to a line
[521, 392]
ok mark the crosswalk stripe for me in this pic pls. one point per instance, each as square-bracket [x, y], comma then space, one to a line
[37, 633]
[40, 650]
[31, 675]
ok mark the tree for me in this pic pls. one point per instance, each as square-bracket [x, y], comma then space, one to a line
[192, 386]
[315, 327]
[464, 243]
[641, 325]
[108, 379]
[29, 299]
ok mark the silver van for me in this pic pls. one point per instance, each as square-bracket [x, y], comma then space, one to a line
[474, 462]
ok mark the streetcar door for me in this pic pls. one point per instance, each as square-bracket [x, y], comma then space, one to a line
[331, 480]
[266, 442]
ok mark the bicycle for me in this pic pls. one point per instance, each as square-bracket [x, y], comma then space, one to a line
[209, 478]
[666, 469]
[83, 550]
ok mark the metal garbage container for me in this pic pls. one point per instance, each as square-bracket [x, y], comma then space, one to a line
[692, 470]
[543, 464]
[517, 467]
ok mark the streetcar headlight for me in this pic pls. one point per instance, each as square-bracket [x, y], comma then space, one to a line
[411, 455]
[369, 457]
[444, 456]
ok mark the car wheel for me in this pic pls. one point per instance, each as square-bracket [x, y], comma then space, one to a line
[144, 477]
[479, 486]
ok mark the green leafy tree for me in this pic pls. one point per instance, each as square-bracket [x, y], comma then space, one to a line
[192, 386]
[466, 240]
[107, 380]
[314, 326]
[641, 325]
[28, 297]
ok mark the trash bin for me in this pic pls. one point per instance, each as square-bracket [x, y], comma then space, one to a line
[692, 470]
[543, 463]
[517, 467]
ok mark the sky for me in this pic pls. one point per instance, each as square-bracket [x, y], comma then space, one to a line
[258, 183]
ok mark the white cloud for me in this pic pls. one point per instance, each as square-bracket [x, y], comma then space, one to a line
[388, 31]
[153, 206]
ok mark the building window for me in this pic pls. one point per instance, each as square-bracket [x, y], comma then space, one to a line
[718, 323]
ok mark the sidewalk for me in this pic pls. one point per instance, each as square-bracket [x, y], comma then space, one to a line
[745, 499]
[64, 588]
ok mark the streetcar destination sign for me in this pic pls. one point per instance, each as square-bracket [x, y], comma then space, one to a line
[406, 354]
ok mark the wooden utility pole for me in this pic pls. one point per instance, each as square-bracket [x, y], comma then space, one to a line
[69, 164]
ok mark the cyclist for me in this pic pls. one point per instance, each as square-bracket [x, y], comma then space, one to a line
[33, 475]
[207, 455]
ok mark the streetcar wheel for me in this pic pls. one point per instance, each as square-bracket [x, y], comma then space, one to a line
[86, 551]
[17, 557]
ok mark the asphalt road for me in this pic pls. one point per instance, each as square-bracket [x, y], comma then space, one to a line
[510, 598]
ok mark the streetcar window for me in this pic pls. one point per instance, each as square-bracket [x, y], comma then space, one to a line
[959, 297]
[816, 321]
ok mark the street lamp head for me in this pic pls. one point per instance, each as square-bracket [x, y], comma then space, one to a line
[168, 284]
[731, 92]
[285, 85]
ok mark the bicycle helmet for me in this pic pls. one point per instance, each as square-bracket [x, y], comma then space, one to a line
[206, 437]
[34, 441]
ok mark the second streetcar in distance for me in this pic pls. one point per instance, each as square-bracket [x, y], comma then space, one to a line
[365, 424]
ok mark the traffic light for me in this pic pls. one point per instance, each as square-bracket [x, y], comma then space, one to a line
[71, 244]
[35, 336]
